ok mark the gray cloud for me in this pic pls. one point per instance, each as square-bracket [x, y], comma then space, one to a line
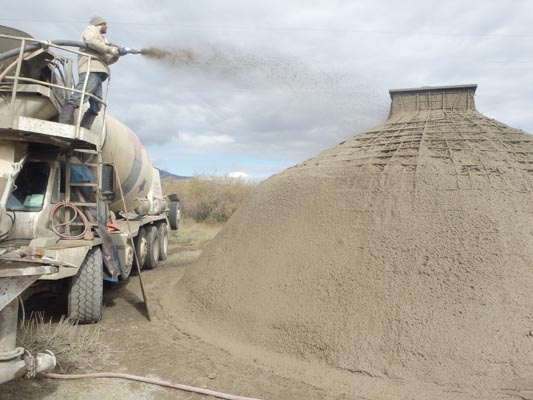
[284, 80]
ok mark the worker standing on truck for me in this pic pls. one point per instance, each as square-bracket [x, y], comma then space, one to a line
[103, 54]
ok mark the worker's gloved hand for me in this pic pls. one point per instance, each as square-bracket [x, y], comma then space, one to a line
[122, 51]
[114, 51]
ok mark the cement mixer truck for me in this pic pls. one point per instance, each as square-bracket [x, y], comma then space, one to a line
[77, 206]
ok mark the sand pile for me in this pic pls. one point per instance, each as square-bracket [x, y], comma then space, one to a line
[404, 252]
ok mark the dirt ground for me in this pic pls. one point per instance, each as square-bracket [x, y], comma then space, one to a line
[162, 348]
[173, 350]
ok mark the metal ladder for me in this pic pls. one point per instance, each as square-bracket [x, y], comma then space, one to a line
[95, 169]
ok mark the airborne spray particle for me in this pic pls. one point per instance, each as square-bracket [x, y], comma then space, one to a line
[260, 70]
[183, 56]
[218, 62]
[336, 103]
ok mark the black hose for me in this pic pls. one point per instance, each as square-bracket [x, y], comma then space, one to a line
[35, 46]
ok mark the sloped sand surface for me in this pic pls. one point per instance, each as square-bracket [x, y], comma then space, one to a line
[404, 253]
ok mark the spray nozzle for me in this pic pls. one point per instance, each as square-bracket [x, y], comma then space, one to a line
[132, 51]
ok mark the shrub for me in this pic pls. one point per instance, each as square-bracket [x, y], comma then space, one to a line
[75, 346]
[209, 199]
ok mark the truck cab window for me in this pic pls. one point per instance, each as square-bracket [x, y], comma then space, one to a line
[30, 187]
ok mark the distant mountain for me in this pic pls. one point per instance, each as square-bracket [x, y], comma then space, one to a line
[167, 175]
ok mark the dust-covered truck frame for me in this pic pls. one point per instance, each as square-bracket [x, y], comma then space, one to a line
[77, 206]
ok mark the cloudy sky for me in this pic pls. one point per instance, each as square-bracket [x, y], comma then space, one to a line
[254, 87]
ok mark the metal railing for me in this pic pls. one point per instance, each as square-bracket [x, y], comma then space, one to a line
[26, 52]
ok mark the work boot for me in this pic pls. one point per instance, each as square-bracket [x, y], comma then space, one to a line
[66, 115]
[87, 120]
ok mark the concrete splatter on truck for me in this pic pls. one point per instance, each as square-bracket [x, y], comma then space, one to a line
[77, 206]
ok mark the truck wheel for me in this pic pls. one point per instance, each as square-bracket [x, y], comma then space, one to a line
[86, 290]
[162, 233]
[141, 247]
[174, 211]
[126, 269]
[153, 245]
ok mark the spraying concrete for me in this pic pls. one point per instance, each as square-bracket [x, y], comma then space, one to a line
[267, 94]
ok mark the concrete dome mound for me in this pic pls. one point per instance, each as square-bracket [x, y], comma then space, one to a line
[404, 252]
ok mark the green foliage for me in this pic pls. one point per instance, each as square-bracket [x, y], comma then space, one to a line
[209, 199]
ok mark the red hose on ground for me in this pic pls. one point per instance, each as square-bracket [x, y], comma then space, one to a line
[151, 381]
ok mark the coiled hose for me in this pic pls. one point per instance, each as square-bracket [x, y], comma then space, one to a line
[151, 381]
[85, 234]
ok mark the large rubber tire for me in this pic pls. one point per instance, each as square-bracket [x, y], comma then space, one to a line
[126, 269]
[141, 248]
[174, 212]
[162, 233]
[152, 240]
[86, 292]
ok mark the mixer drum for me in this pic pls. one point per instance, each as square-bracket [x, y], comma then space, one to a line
[131, 163]
[9, 44]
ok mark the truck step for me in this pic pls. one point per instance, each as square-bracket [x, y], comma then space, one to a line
[94, 224]
[83, 184]
[85, 164]
[86, 151]
[80, 204]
